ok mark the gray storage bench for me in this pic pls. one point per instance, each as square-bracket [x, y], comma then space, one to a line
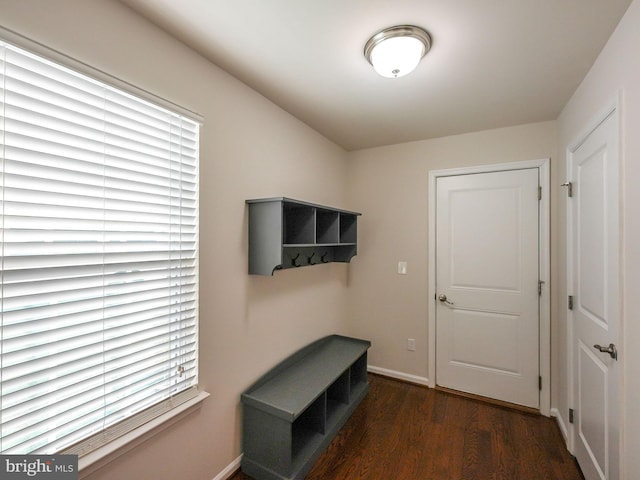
[293, 412]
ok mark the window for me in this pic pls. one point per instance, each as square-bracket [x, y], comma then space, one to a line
[99, 257]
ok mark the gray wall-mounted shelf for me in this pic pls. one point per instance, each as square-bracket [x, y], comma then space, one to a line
[286, 233]
[293, 412]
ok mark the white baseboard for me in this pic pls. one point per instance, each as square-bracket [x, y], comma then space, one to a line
[561, 423]
[229, 470]
[399, 375]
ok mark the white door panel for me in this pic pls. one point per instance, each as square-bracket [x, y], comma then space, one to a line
[474, 340]
[591, 426]
[594, 229]
[487, 266]
[489, 218]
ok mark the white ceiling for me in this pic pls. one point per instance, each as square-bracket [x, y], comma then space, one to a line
[493, 63]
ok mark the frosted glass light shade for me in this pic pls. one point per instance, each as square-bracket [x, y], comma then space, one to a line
[396, 51]
[397, 56]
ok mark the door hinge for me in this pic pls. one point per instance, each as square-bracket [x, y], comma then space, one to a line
[540, 282]
[569, 186]
[571, 415]
[539, 193]
[570, 302]
[539, 383]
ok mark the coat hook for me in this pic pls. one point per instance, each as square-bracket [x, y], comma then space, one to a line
[294, 260]
[322, 258]
[310, 259]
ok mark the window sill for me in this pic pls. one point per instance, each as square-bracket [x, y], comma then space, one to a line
[95, 460]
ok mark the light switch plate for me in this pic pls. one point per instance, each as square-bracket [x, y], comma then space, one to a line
[402, 268]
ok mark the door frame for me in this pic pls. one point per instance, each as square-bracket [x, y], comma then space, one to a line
[613, 108]
[544, 262]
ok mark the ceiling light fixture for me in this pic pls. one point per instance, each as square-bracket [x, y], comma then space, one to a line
[396, 51]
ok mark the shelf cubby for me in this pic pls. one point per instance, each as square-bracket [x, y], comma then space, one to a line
[308, 428]
[358, 374]
[299, 224]
[348, 229]
[337, 398]
[327, 226]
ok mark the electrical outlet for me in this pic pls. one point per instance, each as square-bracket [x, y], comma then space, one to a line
[411, 344]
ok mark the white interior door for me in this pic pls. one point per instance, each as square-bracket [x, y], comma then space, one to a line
[594, 227]
[487, 319]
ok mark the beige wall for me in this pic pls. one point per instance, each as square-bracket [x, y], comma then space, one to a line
[390, 186]
[249, 149]
[617, 71]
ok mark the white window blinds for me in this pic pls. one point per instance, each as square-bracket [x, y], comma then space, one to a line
[99, 249]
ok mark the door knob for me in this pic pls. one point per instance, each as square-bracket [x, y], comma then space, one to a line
[611, 350]
[443, 299]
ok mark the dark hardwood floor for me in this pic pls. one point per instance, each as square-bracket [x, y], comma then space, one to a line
[406, 432]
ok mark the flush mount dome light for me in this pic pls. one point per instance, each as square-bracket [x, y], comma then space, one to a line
[396, 51]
